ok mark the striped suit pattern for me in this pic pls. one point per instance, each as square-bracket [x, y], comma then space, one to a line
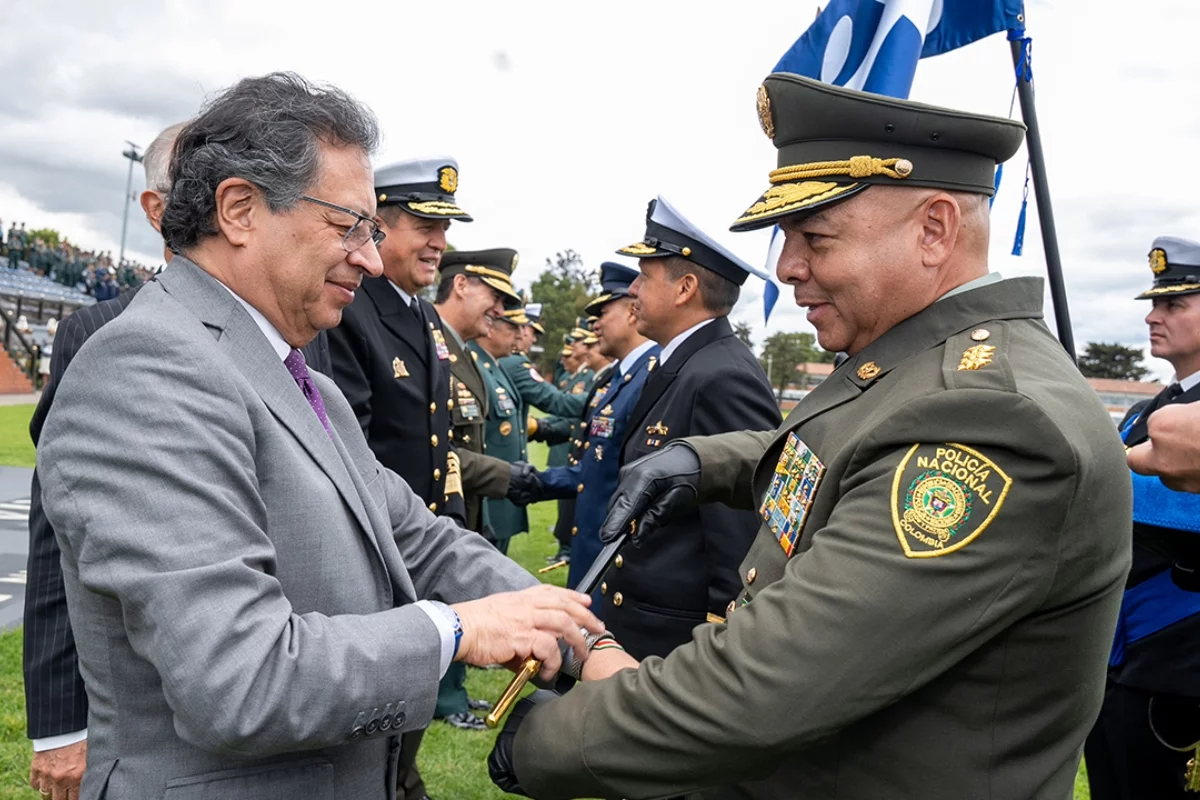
[55, 700]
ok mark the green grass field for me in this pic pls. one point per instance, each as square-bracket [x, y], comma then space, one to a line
[453, 762]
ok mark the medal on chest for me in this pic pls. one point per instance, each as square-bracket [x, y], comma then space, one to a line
[468, 406]
[601, 427]
[785, 507]
[504, 402]
[439, 344]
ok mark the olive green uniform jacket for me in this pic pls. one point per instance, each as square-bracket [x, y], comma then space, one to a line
[941, 627]
[505, 439]
[480, 476]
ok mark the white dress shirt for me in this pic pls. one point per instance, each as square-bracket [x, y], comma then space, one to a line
[673, 345]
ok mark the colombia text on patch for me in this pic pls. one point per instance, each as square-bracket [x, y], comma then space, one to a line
[943, 496]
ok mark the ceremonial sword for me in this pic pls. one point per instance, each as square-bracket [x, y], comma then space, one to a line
[532, 666]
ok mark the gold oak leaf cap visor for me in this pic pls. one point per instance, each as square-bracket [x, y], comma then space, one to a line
[424, 187]
[669, 233]
[494, 267]
[1175, 264]
[835, 142]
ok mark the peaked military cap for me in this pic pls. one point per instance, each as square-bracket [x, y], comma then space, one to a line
[493, 267]
[835, 142]
[534, 312]
[424, 187]
[615, 280]
[668, 233]
[516, 316]
[1175, 263]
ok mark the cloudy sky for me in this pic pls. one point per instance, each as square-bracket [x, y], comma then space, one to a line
[567, 118]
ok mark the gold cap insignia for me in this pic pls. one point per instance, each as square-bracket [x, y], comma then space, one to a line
[1158, 261]
[977, 357]
[763, 101]
[639, 249]
[448, 179]
[868, 371]
[398, 368]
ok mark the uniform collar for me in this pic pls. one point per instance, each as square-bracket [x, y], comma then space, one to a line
[632, 357]
[1016, 298]
[1189, 381]
[986, 280]
[673, 345]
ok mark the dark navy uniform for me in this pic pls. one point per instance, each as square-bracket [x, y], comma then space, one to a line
[1156, 650]
[392, 363]
[712, 383]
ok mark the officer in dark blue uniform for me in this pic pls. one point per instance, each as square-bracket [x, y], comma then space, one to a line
[1154, 678]
[594, 477]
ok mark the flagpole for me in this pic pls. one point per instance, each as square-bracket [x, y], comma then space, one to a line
[1041, 193]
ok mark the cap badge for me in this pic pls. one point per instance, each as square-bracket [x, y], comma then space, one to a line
[977, 357]
[639, 249]
[513, 268]
[448, 179]
[868, 371]
[1158, 261]
[764, 112]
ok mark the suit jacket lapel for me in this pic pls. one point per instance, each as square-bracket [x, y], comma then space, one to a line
[661, 378]
[248, 349]
[397, 317]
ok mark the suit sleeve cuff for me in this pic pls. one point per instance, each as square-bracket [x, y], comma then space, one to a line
[443, 620]
[62, 740]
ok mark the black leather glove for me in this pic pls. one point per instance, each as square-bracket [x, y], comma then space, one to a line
[524, 484]
[500, 763]
[651, 490]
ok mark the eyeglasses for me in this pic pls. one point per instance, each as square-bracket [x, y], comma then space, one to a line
[359, 234]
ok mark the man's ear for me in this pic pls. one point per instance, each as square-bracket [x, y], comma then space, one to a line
[153, 204]
[941, 222]
[686, 288]
[239, 209]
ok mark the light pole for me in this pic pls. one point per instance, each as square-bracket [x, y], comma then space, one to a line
[134, 158]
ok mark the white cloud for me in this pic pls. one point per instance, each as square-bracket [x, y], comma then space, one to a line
[567, 119]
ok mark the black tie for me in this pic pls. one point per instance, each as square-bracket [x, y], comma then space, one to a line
[1137, 434]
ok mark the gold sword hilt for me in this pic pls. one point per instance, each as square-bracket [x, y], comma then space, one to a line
[523, 676]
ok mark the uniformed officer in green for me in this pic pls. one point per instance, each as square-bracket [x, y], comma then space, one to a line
[505, 437]
[535, 390]
[928, 608]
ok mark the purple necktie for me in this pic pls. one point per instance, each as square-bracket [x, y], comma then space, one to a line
[295, 364]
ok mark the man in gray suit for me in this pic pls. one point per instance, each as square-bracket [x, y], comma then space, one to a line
[260, 608]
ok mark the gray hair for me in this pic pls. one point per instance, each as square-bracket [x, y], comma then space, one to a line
[267, 130]
[157, 159]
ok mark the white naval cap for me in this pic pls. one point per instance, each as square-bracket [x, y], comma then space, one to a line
[423, 187]
[669, 233]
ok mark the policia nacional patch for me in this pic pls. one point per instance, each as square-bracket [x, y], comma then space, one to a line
[943, 496]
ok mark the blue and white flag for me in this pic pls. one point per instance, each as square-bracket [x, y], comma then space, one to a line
[874, 45]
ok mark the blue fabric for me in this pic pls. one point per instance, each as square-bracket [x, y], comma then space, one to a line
[1155, 504]
[874, 45]
[599, 464]
[1148, 608]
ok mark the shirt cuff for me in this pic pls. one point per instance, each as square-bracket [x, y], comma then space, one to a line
[443, 617]
[64, 739]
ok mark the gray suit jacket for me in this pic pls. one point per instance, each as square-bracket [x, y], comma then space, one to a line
[240, 583]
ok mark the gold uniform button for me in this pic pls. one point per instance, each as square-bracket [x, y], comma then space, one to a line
[433, 440]
[751, 575]
[579, 488]
[574, 531]
[604, 588]
[586, 445]
[433, 507]
[437, 474]
[449, 405]
[618, 598]
[450, 435]
[619, 562]
[433, 408]
[980, 334]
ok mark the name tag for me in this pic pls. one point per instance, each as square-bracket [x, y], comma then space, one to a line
[785, 508]
[439, 344]
[602, 427]
[504, 402]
